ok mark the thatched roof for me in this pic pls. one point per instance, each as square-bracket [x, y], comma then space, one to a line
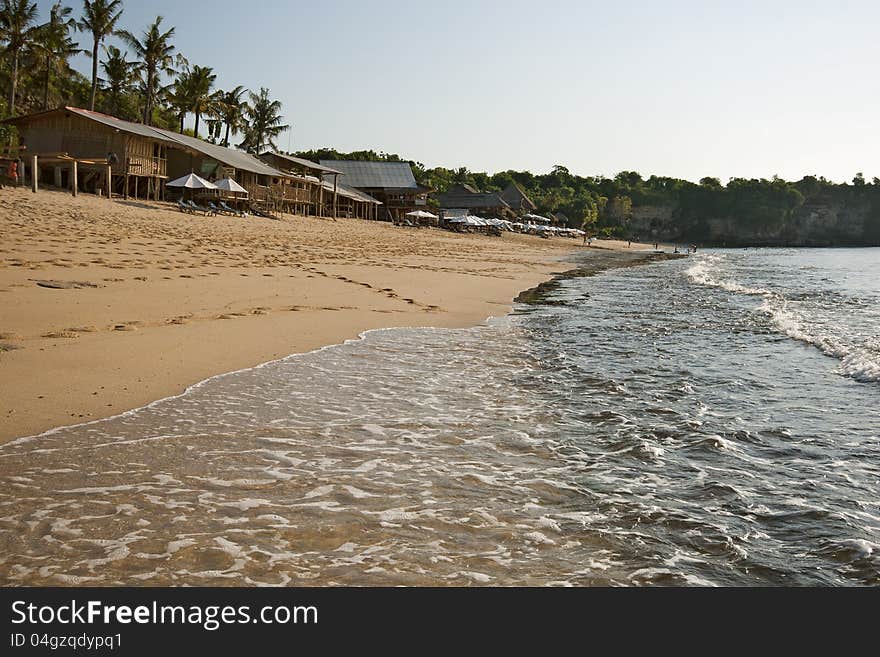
[516, 198]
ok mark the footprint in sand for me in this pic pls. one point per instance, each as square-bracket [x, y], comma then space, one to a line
[126, 326]
[60, 334]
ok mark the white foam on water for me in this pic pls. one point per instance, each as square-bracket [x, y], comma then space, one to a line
[704, 272]
[858, 361]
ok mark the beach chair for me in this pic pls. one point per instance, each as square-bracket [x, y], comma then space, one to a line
[182, 206]
[214, 208]
[198, 208]
[230, 210]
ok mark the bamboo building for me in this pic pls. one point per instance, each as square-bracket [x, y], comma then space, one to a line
[87, 151]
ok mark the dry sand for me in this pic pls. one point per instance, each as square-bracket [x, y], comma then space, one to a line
[108, 305]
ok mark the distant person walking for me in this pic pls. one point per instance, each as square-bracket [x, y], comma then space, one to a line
[12, 172]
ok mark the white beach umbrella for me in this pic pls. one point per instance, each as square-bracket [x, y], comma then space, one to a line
[229, 185]
[191, 181]
[421, 214]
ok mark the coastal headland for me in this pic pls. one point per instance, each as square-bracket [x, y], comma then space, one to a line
[106, 306]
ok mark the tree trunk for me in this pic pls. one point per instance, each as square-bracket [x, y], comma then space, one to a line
[13, 87]
[148, 101]
[46, 83]
[226, 139]
[198, 116]
[182, 118]
[94, 76]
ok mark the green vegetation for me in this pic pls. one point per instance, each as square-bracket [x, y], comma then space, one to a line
[811, 211]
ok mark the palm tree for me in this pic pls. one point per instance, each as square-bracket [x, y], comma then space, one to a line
[230, 110]
[201, 82]
[179, 95]
[119, 77]
[17, 29]
[53, 40]
[156, 56]
[99, 17]
[263, 123]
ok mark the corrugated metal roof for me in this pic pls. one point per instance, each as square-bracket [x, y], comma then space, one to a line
[373, 175]
[236, 159]
[118, 124]
[228, 156]
[460, 199]
[350, 192]
[307, 164]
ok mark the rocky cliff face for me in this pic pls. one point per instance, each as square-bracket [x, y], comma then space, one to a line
[818, 222]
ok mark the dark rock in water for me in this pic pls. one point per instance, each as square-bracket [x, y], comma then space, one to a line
[598, 262]
[66, 285]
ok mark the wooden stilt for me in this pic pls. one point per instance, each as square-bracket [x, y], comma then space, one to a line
[34, 174]
[109, 181]
[74, 183]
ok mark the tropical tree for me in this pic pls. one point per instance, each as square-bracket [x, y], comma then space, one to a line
[264, 123]
[201, 99]
[119, 78]
[179, 96]
[55, 45]
[99, 18]
[230, 109]
[155, 55]
[17, 28]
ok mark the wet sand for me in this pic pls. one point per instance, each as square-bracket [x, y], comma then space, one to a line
[108, 305]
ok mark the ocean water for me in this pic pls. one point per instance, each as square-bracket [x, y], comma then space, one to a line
[711, 420]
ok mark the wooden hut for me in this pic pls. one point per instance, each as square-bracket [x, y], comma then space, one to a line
[312, 178]
[136, 154]
[144, 158]
[391, 183]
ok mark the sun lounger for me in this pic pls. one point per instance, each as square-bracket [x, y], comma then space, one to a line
[214, 208]
[230, 210]
[198, 208]
[182, 206]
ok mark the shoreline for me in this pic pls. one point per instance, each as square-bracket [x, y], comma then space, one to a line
[110, 306]
[606, 259]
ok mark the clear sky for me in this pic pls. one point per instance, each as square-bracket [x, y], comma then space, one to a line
[679, 88]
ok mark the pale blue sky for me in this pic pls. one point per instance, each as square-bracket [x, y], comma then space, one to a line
[683, 88]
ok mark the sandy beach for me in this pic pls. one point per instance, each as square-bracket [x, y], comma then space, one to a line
[108, 305]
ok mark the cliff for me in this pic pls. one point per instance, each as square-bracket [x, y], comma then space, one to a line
[818, 221]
